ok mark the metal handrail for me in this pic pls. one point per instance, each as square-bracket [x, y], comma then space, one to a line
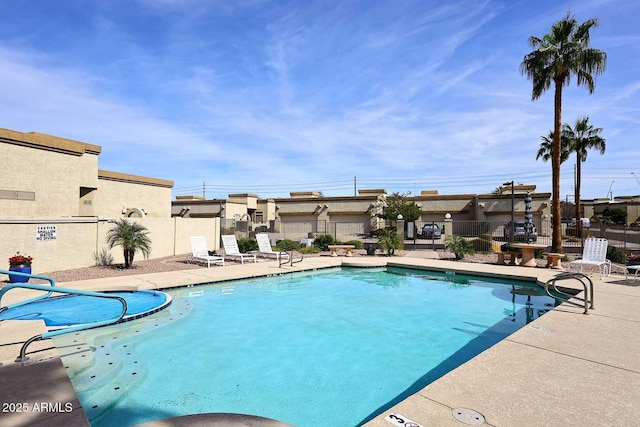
[290, 260]
[32, 276]
[50, 290]
[588, 291]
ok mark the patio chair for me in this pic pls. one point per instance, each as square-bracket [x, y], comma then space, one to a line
[264, 248]
[231, 248]
[595, 254]
[200, 253]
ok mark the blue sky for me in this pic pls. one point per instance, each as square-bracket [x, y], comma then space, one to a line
[269, 97]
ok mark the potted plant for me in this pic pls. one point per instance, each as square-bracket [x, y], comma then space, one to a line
[21, 264]
[370, 248]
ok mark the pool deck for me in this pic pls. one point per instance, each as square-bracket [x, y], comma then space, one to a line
[564, 368]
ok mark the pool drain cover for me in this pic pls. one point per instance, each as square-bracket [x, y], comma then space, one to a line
[468, 416]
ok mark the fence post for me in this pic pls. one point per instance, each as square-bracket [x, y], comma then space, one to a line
[448, 226]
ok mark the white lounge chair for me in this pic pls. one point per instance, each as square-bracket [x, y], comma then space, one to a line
[199, 252]
[231, 248]
[594, 254]
[264, 248]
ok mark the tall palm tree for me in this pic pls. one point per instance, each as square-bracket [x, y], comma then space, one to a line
[582, 137]
[558, 55]
[132, 237]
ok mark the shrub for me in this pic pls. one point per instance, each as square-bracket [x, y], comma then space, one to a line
[287, 245]
[357, 243]
[323, 241]
[617, 255]
[103, 258]
[508, 248]
[459, 246]
[309, 250]
[247, 244]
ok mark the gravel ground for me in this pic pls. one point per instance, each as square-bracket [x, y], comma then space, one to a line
[180, 262]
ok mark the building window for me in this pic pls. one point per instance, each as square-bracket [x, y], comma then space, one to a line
[259, 217]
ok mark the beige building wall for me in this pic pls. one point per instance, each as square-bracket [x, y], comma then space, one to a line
[43, 175]
[121, 195]
[56, 205]
[78, 239]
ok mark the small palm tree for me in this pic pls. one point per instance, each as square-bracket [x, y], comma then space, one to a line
[389, 241]
[557, 56]
[132, 237]
[582, 137]
[459, 246]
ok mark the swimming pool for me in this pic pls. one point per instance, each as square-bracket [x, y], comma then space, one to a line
[70, 310]
[330, 348]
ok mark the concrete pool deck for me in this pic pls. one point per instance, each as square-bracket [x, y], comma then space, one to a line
[564, 368]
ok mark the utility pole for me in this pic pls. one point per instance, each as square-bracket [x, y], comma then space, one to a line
[354, 187]
[513, 221]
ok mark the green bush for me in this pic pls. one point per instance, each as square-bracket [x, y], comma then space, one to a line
[287, 245]
[357, 243]
[309, 250]
[103, 258]
[617, 255]
[506, 247]
[247, 244]
[323, 241]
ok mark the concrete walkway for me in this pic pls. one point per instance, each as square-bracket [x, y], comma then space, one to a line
[565, 368]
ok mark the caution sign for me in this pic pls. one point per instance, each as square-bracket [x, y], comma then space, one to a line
[46, 232]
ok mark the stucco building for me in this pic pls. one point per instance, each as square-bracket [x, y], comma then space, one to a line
[56, 204]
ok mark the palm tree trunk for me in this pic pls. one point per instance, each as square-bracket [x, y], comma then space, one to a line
[556, 236]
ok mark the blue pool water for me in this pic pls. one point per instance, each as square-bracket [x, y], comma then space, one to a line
[326, 349]
[77, 309]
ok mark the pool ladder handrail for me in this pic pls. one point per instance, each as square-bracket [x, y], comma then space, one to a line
[290, 260]
[52, 288]
[587, 301]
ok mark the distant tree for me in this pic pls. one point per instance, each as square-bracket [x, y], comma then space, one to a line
[614, 216]
[582, 137]
[398, 204]
[132, 237]
[558, 55]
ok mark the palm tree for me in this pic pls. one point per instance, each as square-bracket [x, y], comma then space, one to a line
[557, 56]
[546, 148]
[132, 237]
[582, 137]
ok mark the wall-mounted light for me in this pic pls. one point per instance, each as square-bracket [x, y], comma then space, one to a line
[447, 216]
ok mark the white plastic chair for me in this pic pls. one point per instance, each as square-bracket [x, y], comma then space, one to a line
[594, 253]
[199, 251]
[265, 249]
[231, 248]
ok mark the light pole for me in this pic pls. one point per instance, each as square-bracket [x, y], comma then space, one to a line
[634, 175]
[512, 225]
[610, 194]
